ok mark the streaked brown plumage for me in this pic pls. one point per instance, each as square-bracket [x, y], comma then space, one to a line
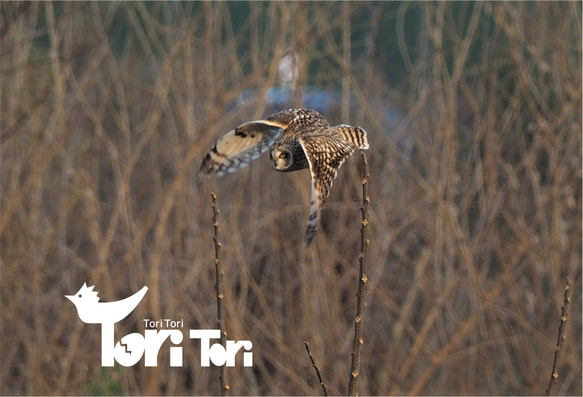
[301, 138]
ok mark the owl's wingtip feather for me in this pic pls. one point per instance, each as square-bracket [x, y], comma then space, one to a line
[310, 234]
[313, 219]
[206, 167]
[361, 138]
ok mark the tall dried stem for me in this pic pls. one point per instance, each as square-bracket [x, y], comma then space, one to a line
[220, 296]
[362, 283]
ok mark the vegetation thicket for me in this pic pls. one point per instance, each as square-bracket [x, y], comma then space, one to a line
[473, 114]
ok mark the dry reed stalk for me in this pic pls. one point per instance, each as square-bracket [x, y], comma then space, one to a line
[220, 296]
[362, 283]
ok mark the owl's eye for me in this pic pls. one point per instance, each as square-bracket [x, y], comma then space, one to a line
[283, 156]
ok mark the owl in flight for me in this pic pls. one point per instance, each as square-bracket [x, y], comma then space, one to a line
[298, 138]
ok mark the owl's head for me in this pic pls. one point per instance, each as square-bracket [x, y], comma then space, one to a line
[282, 158]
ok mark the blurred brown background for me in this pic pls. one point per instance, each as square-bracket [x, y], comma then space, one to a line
[473, 112]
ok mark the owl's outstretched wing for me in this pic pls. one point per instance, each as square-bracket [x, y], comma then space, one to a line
[325, 154]
[238, 147]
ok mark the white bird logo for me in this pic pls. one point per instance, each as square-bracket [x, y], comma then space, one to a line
[91, 311]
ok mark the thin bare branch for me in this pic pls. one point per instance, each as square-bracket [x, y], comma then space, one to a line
[561, 338]
[316, 369]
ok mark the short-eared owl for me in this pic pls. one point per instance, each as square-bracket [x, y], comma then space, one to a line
[300, 138]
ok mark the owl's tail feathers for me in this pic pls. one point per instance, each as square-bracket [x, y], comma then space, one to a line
[355, 135]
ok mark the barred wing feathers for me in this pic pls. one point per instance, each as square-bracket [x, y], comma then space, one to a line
[238, 147]
[325, 154]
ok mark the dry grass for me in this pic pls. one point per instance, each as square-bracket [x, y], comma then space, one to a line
[475, 214]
